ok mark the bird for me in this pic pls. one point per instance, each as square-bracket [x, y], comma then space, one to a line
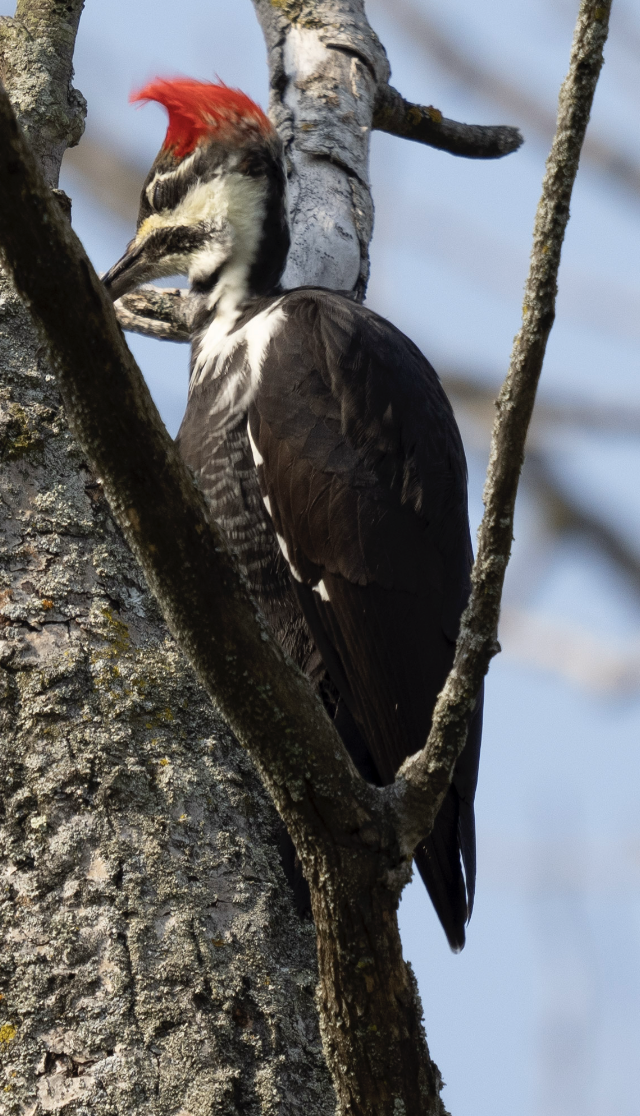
[328, 453]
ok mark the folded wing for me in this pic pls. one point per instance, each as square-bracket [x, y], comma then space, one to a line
[363, 473]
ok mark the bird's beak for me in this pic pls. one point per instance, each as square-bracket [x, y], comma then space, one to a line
[157, 250]
[132, 269]
[162, 250]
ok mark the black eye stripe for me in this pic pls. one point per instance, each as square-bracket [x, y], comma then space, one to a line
[174, 240]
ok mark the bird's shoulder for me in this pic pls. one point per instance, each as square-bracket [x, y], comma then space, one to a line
[358, 451]
[351, 393]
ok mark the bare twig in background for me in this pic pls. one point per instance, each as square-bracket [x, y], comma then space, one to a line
[569, 515]
[114, 180]
[526, 110]
[479, 399]
[564, 512]
[601, 666]
[430, 771]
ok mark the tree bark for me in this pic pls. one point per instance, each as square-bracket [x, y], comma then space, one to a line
[152, 960]
[342, 827]
[355, 841]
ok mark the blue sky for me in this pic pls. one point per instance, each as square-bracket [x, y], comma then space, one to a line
[541, 1012]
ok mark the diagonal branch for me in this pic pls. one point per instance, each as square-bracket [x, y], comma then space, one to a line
[265, 699]
[424, 778]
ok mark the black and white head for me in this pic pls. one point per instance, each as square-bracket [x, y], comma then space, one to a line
[213, 205]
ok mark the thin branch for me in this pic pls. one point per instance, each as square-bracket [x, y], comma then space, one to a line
[160, 312]
[426, 124]
[424, 778]
[479, 398]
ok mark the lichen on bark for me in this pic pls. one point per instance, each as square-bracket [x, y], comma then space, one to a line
[151, 957]
[151, 961]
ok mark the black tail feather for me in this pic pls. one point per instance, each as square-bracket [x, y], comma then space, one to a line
[467, 842]
[438, 861]
[446, 859]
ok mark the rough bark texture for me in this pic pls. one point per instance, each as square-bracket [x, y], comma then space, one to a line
[355, 841]
[426, 124]
[152, 960]
[341, 825]
[325, 63]
[36, 67]
[159, 312]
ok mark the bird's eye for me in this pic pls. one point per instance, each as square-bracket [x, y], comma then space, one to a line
[161, 193]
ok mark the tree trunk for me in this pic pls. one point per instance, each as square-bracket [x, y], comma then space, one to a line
[152, 960]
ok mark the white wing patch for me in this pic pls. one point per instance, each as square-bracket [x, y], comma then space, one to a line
[283, 547]
[322, 590]
[257, 456]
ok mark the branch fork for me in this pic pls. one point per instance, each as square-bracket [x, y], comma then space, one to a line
[355, 840]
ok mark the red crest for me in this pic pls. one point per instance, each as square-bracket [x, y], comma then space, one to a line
[204, 109]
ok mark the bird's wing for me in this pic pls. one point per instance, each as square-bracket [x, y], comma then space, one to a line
[363, 473]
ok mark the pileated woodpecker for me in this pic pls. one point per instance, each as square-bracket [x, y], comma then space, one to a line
[327, 450]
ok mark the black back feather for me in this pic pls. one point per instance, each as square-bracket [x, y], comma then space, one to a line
[365, 474]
